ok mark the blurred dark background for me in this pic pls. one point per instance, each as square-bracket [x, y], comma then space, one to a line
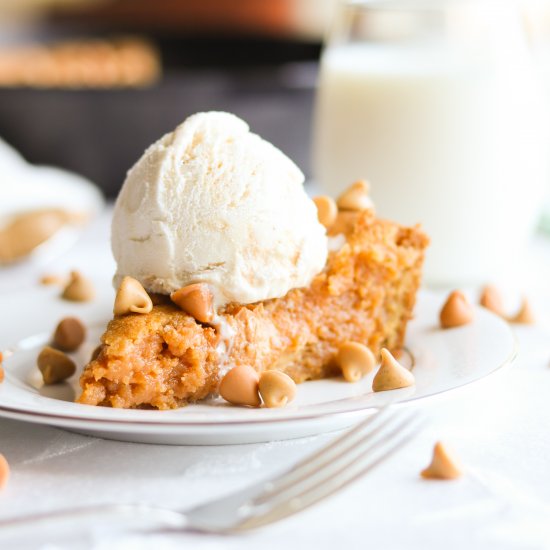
[88, 85]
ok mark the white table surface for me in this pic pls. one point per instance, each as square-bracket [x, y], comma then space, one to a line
[499, 427]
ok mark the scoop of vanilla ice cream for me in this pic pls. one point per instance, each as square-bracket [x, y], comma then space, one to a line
[212, 202]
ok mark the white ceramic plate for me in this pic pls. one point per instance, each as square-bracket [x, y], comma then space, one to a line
[441, 360]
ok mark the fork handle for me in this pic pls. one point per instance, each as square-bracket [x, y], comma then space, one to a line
[111, 517]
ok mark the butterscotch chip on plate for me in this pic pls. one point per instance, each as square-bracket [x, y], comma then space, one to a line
[277, 389]
[391, 375]
[69, 334]
[355, 360]
[54, 365]
[456, 311]
[444, 464]
[240, 386]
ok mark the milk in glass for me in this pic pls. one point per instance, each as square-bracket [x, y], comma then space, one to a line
[453, 138]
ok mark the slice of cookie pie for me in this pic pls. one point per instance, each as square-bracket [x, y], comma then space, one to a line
[214, 223]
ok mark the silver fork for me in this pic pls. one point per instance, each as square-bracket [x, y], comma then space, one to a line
[310, 481]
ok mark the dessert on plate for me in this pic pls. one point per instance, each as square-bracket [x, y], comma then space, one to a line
[215, 224]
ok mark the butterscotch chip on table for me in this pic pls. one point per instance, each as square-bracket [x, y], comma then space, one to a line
[78, 289]
[456, 311]
[444, 464]
[366, 293]
[53, 280]
[491, 299]
[525, 314]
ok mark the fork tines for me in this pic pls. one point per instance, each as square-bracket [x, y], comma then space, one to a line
[332, 468]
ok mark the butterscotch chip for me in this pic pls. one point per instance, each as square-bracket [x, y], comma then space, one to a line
[131, 297]
[4, 471]
[78, 289]
[277, 389]
[355, 197]
[69, 334]
[391, 375]
[456, 311]
[492, 300]
[240, 386]
[525, 315]
[54, 365]
[196, 300]
[443, 465]
[327, 211]
[355, 360]
[53, 280]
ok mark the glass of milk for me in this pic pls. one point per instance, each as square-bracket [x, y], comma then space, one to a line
[537, 18]
[439, 105]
